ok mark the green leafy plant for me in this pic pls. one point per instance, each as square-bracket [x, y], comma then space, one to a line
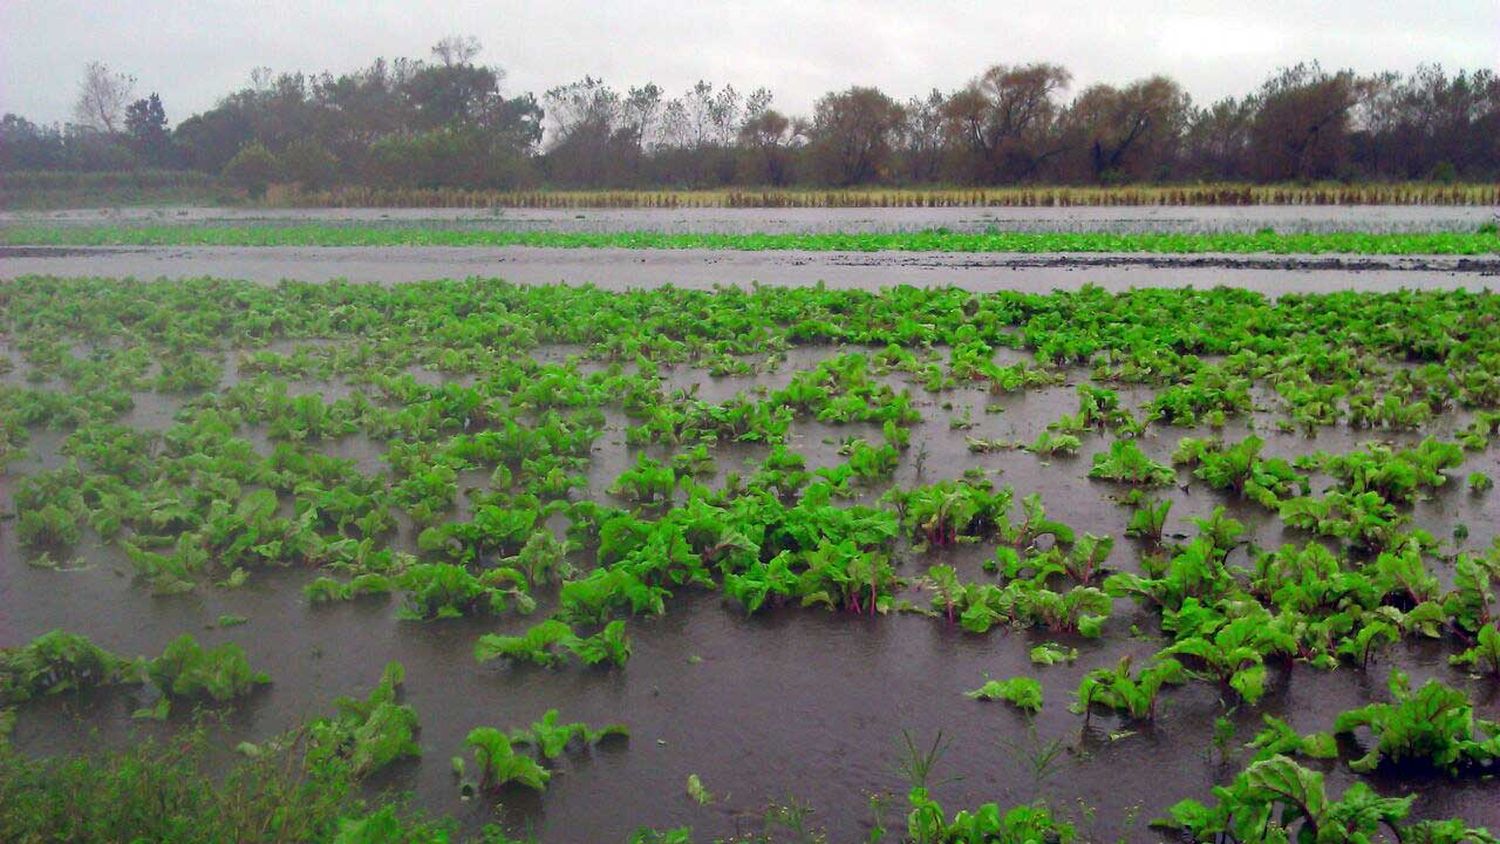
[1278, 800]
[1484, 657]
[498, 762]
[551, 738]
[1051, 653]
[1279, 739]
[546, 642]
[1433, 726]
[188, 671]
[1126, 463]
[1148, 520]
[697, 791]
[1115, 688]
[445, 590]
[1021, 692]
[55, 663]
[1232, 652]
[368, 734]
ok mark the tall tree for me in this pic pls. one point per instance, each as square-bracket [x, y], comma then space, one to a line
[767, 139]
[591, 144]
[921, 137]
[1302, 122]
[1216, 144]
[1128, 133]
[102, 97]
[456, 50]
[642, 111]
[851, 135]
[1005, 120]
[146, 121]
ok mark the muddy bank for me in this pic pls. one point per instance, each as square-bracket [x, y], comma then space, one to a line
[625, 268]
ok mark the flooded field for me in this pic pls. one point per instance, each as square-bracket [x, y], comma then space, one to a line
[788, 706]
[616, 269]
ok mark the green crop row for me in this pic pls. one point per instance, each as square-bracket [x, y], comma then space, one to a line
[1352, 243]
[483, 407]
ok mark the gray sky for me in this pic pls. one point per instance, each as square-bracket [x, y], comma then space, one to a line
[194, 51]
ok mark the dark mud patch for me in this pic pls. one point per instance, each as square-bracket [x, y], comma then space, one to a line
[1279, 263]
[12, 252]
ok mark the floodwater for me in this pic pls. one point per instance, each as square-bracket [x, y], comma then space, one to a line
[799, 705]
[634, 268]
[622, 268]
[1282, 218]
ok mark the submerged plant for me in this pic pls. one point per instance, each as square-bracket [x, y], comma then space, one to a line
[1115, 688]
[1434, 726]
[551, 738]
[545, 643]
[1232, 652]
[1051, 653]
[446, 590]
[55, 663]
[368, 734]
[1484, 657]
[951, 511]
[1021, 692]
[188, 671]
[1279, 739]
[1149, 519]
[498, 762]
[1277, 797]
[1126, 463]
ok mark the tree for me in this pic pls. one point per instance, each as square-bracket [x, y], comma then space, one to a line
[1128, 133]
[102, 96]
[453, 94]
[921, 137]
[851, 135]
[27, 146]
[309, 164]
[591, 143]
[1302, 121]
[1005, 120]
[766, 140]
[641, 109]
[456, 50]
[252, 169]
[1216, 144]
[146, 122]
[705, 117]
[209, 140]
[1428, 123]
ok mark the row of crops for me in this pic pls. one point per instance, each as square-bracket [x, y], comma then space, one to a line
[1267, 475]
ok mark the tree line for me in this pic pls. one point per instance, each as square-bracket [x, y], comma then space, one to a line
[444, 122]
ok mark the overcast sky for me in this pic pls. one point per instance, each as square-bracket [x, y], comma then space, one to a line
[194, 51]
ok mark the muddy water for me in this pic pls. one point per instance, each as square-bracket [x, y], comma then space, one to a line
[801, 705]
[1282, 218]
[635, 268]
